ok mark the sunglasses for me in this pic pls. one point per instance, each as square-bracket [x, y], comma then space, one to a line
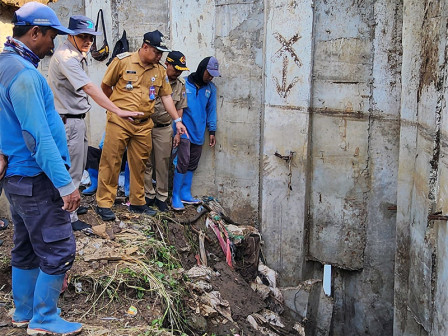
[86, 37]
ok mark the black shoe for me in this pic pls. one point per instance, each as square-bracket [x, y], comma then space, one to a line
[80, 225]
[82, 210]
[161, 205]
[105, 213]
[142, 209]
[150, 201]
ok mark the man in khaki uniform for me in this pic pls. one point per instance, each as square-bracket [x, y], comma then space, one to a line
[133, 81]
[71, 87]
[162, 133]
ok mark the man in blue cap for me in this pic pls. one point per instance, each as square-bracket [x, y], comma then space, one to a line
[200, 113]
[71, 87]
[37, 183]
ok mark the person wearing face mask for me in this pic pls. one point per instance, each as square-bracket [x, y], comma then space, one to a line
[36, 180]
[199, 115]
[71, 88]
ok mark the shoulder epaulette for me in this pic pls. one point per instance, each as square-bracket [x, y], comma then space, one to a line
[124, 55]
[181, 79]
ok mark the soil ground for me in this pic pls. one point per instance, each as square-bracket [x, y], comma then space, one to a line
[115, 285]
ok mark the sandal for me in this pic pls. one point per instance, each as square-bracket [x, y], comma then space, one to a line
[5, 224]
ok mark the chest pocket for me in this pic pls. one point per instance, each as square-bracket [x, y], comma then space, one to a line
[131, 78]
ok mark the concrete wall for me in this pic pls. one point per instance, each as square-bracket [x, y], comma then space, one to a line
[355, 130]
[283, 201]
[421, 273]
[330, 113]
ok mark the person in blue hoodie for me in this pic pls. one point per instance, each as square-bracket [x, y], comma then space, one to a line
[199, 115]
[37, 182]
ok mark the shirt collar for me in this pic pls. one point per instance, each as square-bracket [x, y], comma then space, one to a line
[136, 59]
[80, 56]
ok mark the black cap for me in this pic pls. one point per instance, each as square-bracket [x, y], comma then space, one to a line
[177, 59]
[156, 40]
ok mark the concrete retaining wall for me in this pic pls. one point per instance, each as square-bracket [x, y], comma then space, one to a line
[331, 138]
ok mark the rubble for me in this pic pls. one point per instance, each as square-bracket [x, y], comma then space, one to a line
[145, 272]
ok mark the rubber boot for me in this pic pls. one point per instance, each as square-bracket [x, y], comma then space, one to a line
[45, 315]
[23, 283]
[93, 173]
[185, 192]
[178, 179]
[127, 180]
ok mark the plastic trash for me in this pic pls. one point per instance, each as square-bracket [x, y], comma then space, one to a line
[132, 311]
[85, 180]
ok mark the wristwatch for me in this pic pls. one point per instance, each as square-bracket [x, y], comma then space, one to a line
[178, 119]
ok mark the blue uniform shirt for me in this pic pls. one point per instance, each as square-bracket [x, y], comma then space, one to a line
[201, 111]
[32, 134]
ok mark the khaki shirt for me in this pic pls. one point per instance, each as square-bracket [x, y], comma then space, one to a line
[127, 68]
[179, 95]
[66, 77]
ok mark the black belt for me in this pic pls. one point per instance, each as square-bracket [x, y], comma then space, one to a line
[74, 116]
[139, 121]
[161, 125]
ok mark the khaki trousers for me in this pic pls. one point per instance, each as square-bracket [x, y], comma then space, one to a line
[76, 132]
[160, 159]
[121, 133]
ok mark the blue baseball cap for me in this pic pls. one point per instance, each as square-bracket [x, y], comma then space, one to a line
[80, 24]
[213, 67]
[37, 14]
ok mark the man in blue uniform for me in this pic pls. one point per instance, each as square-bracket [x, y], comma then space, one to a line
[37, 182]
[200, 113]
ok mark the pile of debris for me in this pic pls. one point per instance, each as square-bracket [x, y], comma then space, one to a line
[194, 273]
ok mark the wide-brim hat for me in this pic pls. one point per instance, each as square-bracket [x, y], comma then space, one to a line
[80, 24]
[37, 14]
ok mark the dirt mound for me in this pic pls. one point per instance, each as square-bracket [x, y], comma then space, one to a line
[189, 273]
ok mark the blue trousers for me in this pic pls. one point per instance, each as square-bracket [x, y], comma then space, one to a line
[43, 234]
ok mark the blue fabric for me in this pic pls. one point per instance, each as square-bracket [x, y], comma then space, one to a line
[201, 111]
[20, 48]
[102, 141]
[127, 180]
[32, 134]
[43, 235]
[35, 13]
[46, 317]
